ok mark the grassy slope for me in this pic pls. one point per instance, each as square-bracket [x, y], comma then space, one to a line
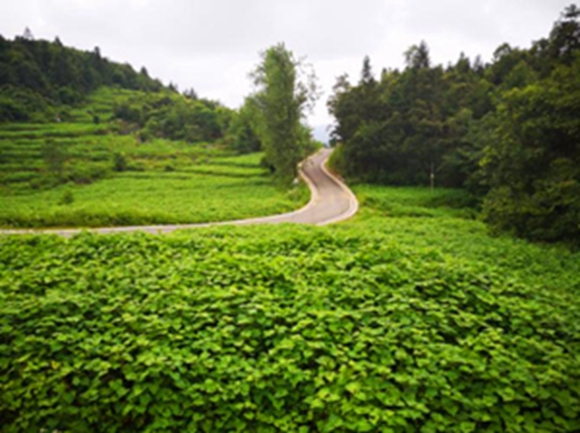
[442, 222]
[408, 317]
[220, 189]
[166, 181]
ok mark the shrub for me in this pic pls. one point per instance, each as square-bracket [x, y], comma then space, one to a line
[119, 162]
[85, 172]
[66, 198]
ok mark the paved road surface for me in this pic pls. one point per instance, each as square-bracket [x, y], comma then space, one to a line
[331, 201]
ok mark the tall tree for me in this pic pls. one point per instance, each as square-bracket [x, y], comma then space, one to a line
[417, 57]
[281, 99]
[366, 76]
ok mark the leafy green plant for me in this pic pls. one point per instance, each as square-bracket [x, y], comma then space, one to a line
[288, 328]
[221, 188]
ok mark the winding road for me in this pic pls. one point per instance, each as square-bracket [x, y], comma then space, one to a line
[331, 201]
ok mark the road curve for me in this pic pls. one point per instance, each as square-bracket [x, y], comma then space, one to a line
[331, 201]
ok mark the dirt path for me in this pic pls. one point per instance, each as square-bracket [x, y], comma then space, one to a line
[331, 201]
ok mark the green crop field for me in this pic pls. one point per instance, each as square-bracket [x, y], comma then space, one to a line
[408, 318]
[158, 181]
[216, 190]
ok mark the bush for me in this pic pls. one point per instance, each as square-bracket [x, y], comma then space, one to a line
[336, 161]
[119, 162]
[21, 104]
[264, 163]
[67, 198]
[129, 113]
[85, 173]
[69, 96]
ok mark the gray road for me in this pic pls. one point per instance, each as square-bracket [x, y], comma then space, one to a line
[331, 201]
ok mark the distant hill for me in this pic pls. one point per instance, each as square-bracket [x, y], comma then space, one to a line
[37, 75]
[46, 82]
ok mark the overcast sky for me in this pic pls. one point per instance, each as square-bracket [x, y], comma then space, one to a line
[212, 45]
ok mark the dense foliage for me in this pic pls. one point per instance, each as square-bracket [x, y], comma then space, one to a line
[174, 117]
[417, 322]
[278, 106]
[36, 76]
[506, 131]
[42, 81]
[408, 318]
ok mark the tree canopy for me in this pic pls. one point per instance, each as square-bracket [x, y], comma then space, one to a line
[507, 131]
[38, 74]
[280, 102]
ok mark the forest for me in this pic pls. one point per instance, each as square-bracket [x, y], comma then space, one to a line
[505, 131]
[44, 82]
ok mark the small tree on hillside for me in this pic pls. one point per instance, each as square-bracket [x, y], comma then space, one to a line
[54, 156]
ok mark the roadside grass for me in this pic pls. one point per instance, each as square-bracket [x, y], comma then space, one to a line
[147, 198]
[416, 201]
[209, 190]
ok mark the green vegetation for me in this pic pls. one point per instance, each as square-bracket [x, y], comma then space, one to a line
[416, 201]
[159, 182]
[413, 321]
[40, 80]
[407, 318]
[505, 131]
[124, 151]
[279, 107]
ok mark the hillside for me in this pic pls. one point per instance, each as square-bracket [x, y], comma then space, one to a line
[86, 142]
[39, 79]
[506, 131]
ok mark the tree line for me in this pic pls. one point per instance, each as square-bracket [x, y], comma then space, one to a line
[41, 80]
[37, 75]
[507, 131]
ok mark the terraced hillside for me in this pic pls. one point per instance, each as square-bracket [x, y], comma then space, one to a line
[78, 173]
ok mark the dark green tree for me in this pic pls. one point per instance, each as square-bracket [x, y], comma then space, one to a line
[281, 99]
[533, 168]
